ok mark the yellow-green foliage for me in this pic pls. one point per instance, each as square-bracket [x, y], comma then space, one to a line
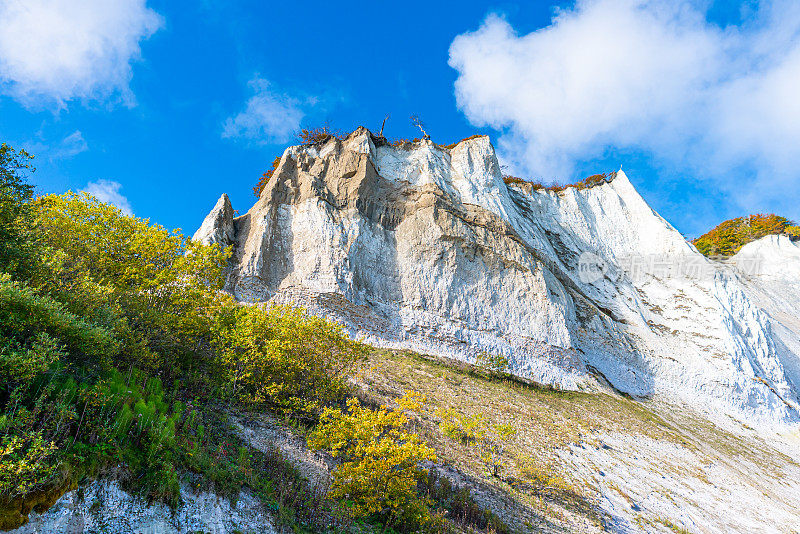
[151, 287]
[493, 446]
[25, 462]
[381, 465]
[15, 196]
[110, 326]
[25, 364]
[460, 427]
[164, 278]
[672, 526]
[474, 430]
[728, 237]
[496, 363]
[31, 321]
[283, 357]
[542, 477]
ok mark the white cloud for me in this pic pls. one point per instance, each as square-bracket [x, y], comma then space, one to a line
[108, 191]
[653, 75]
[70, 146]
[269, 116]
[54, 51]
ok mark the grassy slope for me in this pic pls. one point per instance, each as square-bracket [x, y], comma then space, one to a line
[550, 480]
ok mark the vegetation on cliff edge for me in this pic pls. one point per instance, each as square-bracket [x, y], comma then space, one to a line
[727, 238]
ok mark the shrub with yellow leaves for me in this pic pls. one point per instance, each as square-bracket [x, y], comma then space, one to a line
[381, 461]
[284, 358]
[460, 427]
[493, 446]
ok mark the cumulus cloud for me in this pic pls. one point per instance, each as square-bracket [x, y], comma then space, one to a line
[54, 51]
[652, 75]
[269, 115]
[108, 191]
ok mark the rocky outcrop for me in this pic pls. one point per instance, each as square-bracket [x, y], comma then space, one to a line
[217, 227]
[103, 506]
[425, 247]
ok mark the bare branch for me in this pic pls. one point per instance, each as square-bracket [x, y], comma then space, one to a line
[419, 124]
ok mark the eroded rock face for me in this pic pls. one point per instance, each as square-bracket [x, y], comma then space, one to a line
[425, 247]
[217, 227]
[104, 507]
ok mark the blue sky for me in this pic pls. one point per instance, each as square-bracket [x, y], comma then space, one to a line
[162, 106]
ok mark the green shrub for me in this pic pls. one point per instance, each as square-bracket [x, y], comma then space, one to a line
[16, 248]
[26, 316]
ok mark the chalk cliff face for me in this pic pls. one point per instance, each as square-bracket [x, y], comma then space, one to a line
[425, 247]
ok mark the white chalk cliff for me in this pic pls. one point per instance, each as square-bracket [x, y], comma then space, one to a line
[425, 247]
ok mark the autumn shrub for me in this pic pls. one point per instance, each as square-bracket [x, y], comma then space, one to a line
[459, 427]
[591, 181]
[493, 446]
[403, 142]
[319, 134]
[514, 180]
[381, 463]
[595, 179]
[727, 238]
[453, 145]
[284, 358]
[489, 439]
[266, 177]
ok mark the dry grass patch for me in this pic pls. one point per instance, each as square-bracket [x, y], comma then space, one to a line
[465, 404]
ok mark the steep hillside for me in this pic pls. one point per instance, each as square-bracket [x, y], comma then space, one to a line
[426, 247]
[582, 462]
[576, 462]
